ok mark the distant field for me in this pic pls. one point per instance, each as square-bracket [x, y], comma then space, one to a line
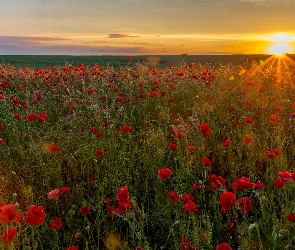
[42, 62]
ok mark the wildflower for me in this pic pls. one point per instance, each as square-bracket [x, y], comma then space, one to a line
[278, 183]
[35, 216]
[123, 206]
[277, 151]
[206, 162]
[98, 134]
[286, 176]
[72, 248]
[107, 201]
[99, 153]
[8, 235]
[111, 210]
[185, 198]
[248, 121]
[17, 117]
[56, 224]
[174, 197]
[225, 143]
[84, 210]
[245, 204]
[216, 182]
[53, 195]
[205, 129]
[223, 246]
[190, 149]
[195, 187]
[173, 146]
[122, 194]
[186, 245]
[226, 201]
[1, 141]
[127, 129]
[164, 174]
[270, 155]
[242, 184]
[64, 190]
[259, 185]
[248, 139]
[8, 214]
[274, 119]
[189, 207]
[52, 149]
[291, 217]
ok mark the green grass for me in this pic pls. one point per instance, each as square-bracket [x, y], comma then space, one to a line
[221, 96]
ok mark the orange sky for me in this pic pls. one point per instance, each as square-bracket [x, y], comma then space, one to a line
[137, 27]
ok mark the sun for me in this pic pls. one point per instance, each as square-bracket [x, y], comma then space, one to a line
[280, 44]
[279, 49]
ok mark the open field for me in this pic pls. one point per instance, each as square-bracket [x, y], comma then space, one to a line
[138, 157]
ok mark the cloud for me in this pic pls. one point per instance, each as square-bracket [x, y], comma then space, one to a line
[10, 45]
[120, 36]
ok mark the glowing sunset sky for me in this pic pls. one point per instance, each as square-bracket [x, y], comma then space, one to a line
[143, 27]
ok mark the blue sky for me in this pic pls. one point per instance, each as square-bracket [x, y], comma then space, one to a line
[131, 27]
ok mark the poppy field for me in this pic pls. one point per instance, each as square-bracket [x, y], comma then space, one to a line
[194, 156]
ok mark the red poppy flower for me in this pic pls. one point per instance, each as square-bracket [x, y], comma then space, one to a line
[195, 187]
[123, 206]
[270, 155]
[164, 174]
[111, 210]
[242, 184]
[225, 143]
[248, 139]
[1, 141]
[17, 117]
[8, 214]
[216, 182]
[180, 73]
[56, 224]
[127, 129]
[64, 190]
[72, 248]
[245, 204]
[52, 149]
[248, 121]
[98, 134]
[174, 197]
[291, 217]
[35, 216]
[53, 195]
[122, 194]
[206, 162]
[259, 185]
[31, 117]
[84, 210]
[205, 129]
[107, 201]
[190, 149]
[223, 246]
[190, 207]
[277, 151]
[186, 245]
[99, 153]
[226, 201]
[186, 198]
[286, 176]
[8, 235]
[274, 119]
[278, 183]
[173, 146]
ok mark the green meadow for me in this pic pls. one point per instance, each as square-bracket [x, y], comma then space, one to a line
[139, 157]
